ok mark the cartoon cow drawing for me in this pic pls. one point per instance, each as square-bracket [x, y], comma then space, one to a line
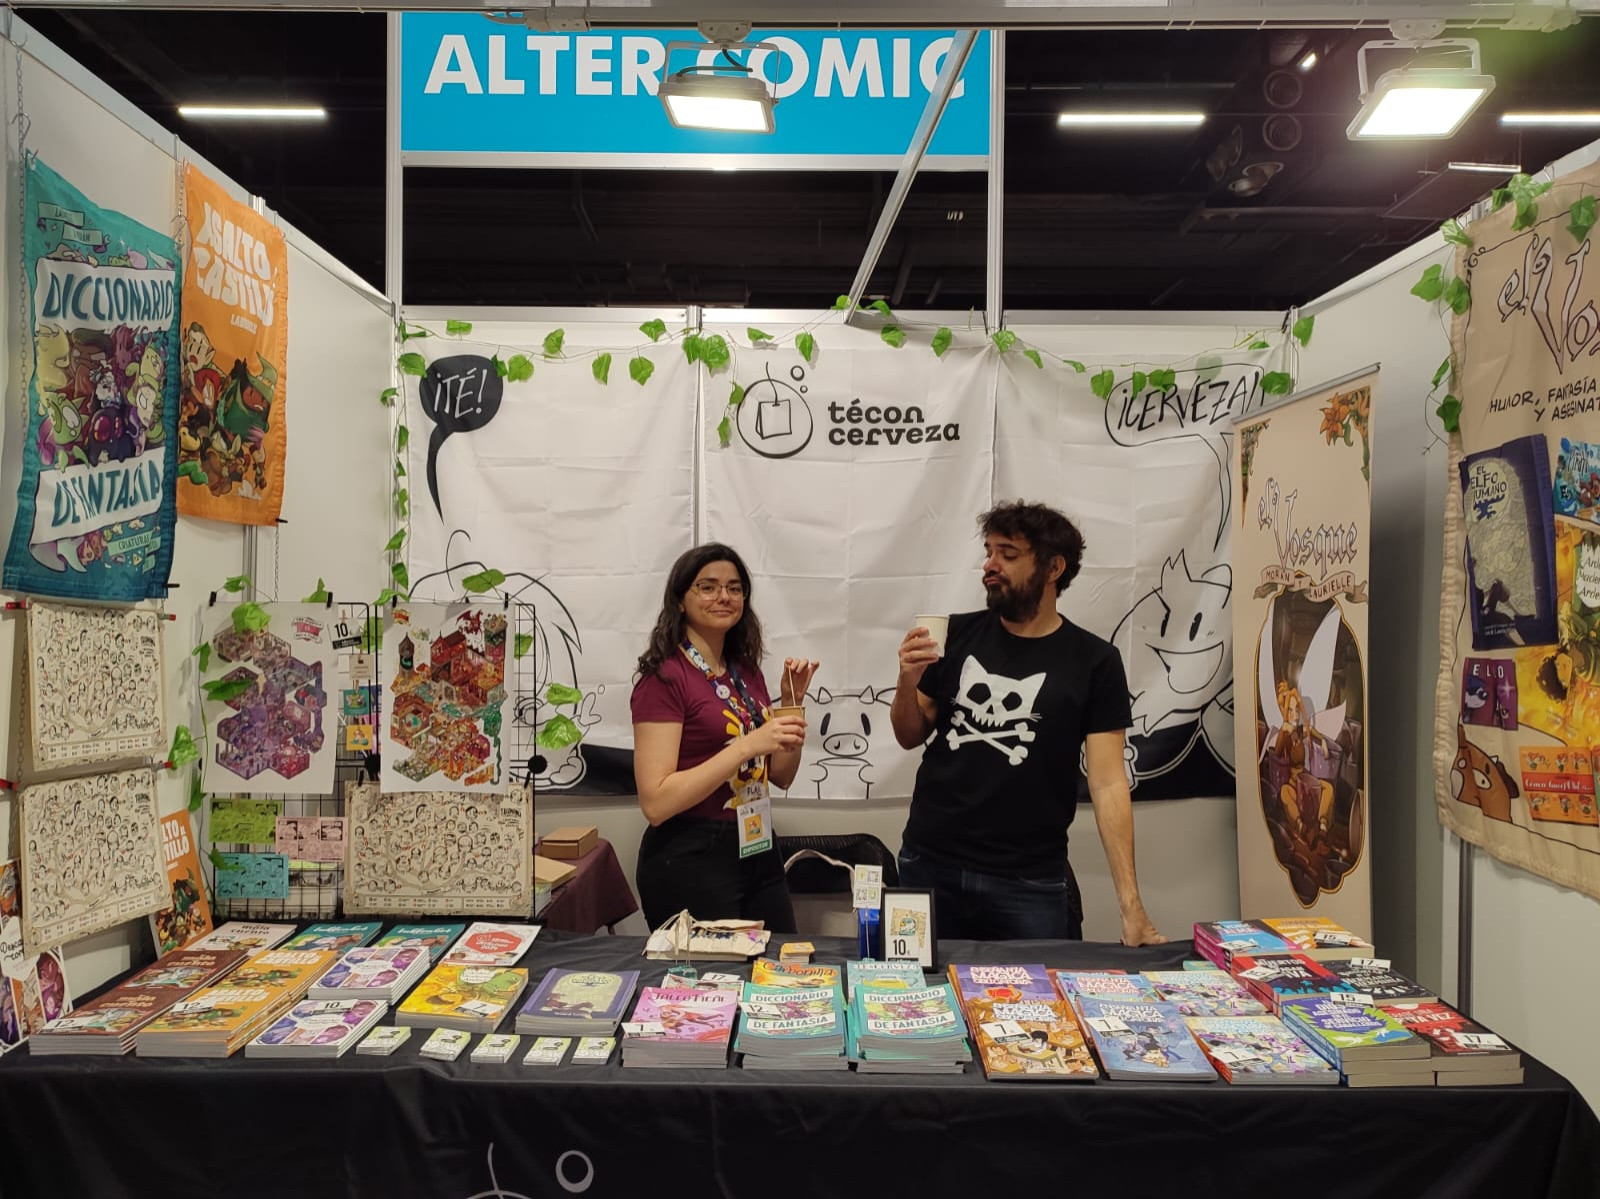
[845, 769]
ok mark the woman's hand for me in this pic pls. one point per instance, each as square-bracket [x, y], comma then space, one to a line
[797, 674]
[778, 735]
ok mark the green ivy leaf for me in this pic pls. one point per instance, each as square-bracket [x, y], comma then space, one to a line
[399, 469]
[692, 343]
[1034, 357]
[499, 366]
[1449, 413]
[893, 335]
[412, 364]
[1165, 378]
[714, 352]
[1259, 345]
[1525, 191]
[1457, 296]
[183, 749]
[218, 862]
[560, 693]
[1444, 369]
[807, 345]
[1302, 329]
[522, 644]
[841, 304]
[1136, 382]
[1454, 233]
[402, 576]
[203, 652]
[457, 328]
[654, 330]
[197, 794]
[371, 635]
[736, 396]
[1003, 339]
[724, 432]
[222, 690]
[941, 341]
[1102, 382]
[319, 596]
[640, 369]
[553, 341]
[394, 543]
[402, 503]
[402, 436]
[484, 580]
[601, 368]
[558, 733]
[407, 333]
[388, 594]
[1499, 198]
[881, 306]
[250, 618]
[519, 369]
[1431, 286]
[1207, 367]
[236, 584]
[1581, 218]
[1276, 383]
[757, 336]
[1077, 366]
[387, 396]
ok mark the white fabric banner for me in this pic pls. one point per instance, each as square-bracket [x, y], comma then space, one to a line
[851, 486]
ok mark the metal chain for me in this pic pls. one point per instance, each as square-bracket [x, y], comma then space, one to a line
[277, 538]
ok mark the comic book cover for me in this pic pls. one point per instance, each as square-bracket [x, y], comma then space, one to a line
[768, 973]
[1259, 1049]
[1008, 984]
[1204, 993]
[584, 996]
[1144, 1041]
[1029, 1040]
[189, 917]
[1508, 518]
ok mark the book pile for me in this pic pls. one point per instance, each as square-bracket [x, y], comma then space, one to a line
[1004, 984]
[217, 1020]
[1363, 1042]
[488, 944]
[1374, 977]
[108, 1025]
[680, 1027]
[577, 1003]
[1259, 1049]
[1144, 1041]
[372, 973]
[894, 1031]
[905, 975]
[469, 998]
[339, 937]
[1463, 1053]
[242, 934]
[1029, 1040]
[320, 1028]
[435, 938]
[1218, 941]
[1319, 938]
[1203, 993]
[768, 973]
[1284, 976]
[792, 1028]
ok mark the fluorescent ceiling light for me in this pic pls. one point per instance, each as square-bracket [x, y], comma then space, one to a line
[731, 103]
[252, 112]
[1550, 118]
[1308, 60]
[1488, 168]
[1419, 103]
[1130, 120]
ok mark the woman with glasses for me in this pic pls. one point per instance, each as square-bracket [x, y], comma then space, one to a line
[706, 747]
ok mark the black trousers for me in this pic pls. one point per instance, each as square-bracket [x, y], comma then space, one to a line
[695, 864]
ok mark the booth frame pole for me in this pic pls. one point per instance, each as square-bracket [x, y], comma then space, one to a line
[954, 63]
[393, 172]
[994, 252]
[1464, 929]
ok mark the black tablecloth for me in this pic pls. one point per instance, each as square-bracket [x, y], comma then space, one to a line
[402, 1126]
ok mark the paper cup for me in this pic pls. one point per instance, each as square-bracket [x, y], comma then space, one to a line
[937, 627]
[789, 710]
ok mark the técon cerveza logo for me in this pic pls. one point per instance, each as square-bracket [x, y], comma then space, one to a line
[775, 420]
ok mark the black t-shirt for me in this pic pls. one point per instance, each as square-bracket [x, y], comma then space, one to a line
[998, 784]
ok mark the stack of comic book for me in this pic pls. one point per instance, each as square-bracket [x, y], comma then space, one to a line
[680, 1026]
[792, 1028]
[1259, 1049]
[317, 1028]
[1144, 1041]
[897, 1031]
[218, 1020]
[108, 1025]
[371, 972]
[578, 1003]
[466, 997]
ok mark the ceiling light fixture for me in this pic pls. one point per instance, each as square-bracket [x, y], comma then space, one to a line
[252, 112]
[1418, 101]
[725, 94]
[1308, 60]
[1488, 168]
[1550, 118]
[1130, 120]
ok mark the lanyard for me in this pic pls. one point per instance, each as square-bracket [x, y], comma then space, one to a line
[744, 707]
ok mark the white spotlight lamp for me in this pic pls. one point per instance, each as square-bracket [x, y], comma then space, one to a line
[723, 93]
[1416, 102]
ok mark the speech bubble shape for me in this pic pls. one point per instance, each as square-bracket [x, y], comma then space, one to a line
[460, 393]
[1202, 402]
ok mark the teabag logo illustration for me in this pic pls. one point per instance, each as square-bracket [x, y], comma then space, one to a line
[845, 769]
[774, 419]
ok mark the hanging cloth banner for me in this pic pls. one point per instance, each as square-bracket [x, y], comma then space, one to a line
[95, 509]
[1302, 561]
[232, 432]
[1517, 716]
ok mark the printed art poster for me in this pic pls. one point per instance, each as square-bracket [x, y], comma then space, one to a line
[95, 510]
[444, 667]
[1518, 699]
[1302, 562]
[265, 692]
[231, 417]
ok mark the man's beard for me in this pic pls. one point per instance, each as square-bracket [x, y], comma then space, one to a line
[1018, 604]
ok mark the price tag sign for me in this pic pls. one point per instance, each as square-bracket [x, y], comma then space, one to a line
[1355, 997]
[1369, 963]
[647, 1029]
[1480, 1040]
[1004, 1031]
[1259, 972]
[1234, 1057]
[1108, 1024]
[866, 889]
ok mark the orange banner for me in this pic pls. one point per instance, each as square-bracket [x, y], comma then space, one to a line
[232, 431]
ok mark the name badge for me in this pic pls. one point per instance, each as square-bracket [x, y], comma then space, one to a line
[755, 826]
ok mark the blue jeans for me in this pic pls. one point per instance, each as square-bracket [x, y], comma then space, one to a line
[970, 906]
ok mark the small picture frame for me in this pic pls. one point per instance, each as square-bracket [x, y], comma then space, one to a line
[907, 927]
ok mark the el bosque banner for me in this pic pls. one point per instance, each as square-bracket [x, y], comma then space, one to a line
[95, 510]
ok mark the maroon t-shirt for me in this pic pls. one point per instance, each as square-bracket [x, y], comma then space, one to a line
[680, 694]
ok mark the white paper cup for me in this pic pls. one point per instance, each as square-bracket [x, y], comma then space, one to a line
[937, 627]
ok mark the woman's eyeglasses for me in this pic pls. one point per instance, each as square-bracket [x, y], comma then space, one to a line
[708, 589]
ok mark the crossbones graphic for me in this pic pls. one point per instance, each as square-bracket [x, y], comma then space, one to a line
[1014, 753]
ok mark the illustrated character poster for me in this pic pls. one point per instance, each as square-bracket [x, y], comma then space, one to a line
[1518, 698]
[95, 510]
[232, 430]
[1144, 474]
[270, 725]
[444, 670]
[1302, 561]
